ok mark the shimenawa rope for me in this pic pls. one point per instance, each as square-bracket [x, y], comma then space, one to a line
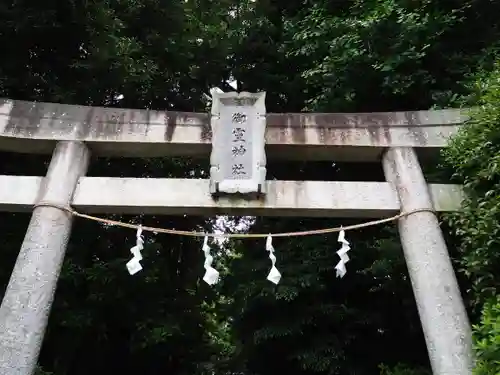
[230, 235]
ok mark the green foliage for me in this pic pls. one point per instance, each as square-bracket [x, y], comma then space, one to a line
[90, 52]
[315, 55]
[474, 155]
[487, 339]
[40, 371]
[288, 321]
[402, 370]
[406, 51]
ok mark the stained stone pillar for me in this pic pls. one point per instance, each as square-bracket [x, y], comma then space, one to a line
[442, 313]
[26, 305]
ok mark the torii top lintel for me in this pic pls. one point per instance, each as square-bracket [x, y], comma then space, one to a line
[35, 127]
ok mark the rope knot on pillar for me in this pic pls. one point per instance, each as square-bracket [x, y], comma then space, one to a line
[57, 206]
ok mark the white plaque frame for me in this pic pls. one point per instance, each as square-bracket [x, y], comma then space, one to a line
[238, 122]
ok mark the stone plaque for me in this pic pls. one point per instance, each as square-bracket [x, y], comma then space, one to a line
[238, 159]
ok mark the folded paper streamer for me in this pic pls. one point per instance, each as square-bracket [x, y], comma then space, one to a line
[342, 253]
[134, 265]
[274, 275]
[211, 275]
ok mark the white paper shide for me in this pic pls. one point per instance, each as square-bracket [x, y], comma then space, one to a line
[134, 264]
[274, 275]
[342, 253]
[211, 274]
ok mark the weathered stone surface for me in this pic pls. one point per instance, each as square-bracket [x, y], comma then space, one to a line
[134, 132]
[238, 158]
[28, 298]
[106, 195]
[442, 312]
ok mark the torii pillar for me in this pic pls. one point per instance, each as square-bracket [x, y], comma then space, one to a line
[27, 301]
[440, 305]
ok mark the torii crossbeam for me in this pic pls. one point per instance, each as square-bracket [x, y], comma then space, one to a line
[71, 133]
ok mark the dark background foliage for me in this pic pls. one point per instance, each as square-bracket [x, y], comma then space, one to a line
[307, 55]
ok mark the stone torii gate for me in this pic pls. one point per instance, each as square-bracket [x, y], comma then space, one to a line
[71, 133]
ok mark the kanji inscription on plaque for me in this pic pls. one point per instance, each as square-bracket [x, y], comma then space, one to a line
[238, 160]
[238, 134]
[239, 118]
[238, 150]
